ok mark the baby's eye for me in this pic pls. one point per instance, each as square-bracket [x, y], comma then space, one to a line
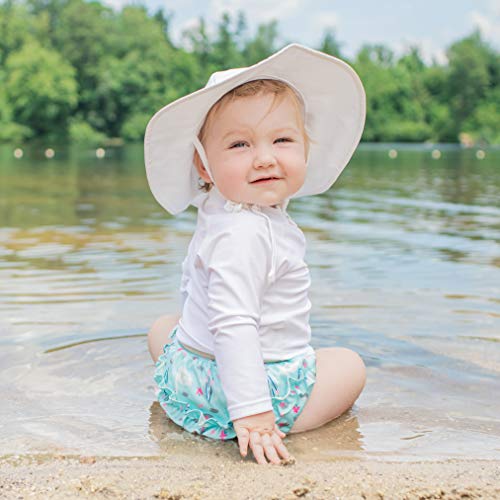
[238, 144]
[283, 139]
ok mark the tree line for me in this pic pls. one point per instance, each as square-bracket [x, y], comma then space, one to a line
[78, 71]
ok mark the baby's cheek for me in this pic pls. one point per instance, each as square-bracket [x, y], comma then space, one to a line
[230, 182]
[298, 173]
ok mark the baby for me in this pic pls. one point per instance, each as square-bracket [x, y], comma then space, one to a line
[237, 362]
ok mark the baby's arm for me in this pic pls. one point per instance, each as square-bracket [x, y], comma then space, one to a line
[237, 261]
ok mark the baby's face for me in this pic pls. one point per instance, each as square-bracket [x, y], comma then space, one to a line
[246, 143]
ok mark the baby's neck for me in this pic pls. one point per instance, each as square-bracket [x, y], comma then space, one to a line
[238, 205]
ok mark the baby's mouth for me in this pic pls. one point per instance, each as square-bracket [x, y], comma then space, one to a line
[265, 179]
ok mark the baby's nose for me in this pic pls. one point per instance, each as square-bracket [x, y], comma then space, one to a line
[264, 157]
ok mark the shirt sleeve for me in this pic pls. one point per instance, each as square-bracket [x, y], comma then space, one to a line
[184, 283]
[237, 261]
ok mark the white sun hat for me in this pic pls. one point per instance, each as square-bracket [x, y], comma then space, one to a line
[334, 106]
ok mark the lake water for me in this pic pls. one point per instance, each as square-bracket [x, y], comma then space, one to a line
[405, 265]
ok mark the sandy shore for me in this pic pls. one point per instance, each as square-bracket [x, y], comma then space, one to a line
[221, 477]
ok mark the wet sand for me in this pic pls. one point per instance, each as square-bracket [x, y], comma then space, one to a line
[195, 477]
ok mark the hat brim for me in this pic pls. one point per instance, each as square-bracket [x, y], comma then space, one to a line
[335, 116]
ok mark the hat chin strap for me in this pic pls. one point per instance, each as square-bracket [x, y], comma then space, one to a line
[201, 153]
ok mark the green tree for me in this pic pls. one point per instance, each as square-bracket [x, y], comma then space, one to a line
[9, 130]
[435, 80]
[468, 79]
[84, 35]
[483, 124]
[164, 20]
[41, 89]
[184, 76]
[372, 66]
[198, 43]
[142, 73]
[225, 53]
[241, 31]
[15, 28]
[330, 45]
[413, 99]
[396, 95]
[263, 44]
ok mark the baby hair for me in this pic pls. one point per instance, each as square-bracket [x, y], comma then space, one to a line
[280, 91]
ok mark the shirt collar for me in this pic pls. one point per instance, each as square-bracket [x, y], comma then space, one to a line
[216, 198]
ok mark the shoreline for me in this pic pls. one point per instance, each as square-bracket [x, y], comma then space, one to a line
[178, 476]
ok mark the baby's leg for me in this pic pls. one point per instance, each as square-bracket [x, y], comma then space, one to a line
[159, 334]
[340, 378]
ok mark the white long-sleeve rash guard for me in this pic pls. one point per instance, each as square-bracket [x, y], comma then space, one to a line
[245, 296]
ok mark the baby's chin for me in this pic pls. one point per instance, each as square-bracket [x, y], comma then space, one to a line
[263, 201]
[262, 196]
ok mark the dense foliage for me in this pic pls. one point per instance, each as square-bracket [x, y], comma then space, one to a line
[72, 70]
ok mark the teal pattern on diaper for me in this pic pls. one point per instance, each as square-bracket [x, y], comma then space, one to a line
[190, 391]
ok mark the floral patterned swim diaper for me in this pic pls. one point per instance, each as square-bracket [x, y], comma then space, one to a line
[190, 391]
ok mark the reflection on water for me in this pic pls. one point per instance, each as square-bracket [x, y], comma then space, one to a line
[116, 337]
[405, 265]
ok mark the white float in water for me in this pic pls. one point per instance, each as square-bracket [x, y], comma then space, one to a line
[100, 153]
[49, 153]
[18, 153]
[436, 154]
[393, 154]
[480, 154]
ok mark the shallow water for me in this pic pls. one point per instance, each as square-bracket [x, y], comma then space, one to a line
[405, 264]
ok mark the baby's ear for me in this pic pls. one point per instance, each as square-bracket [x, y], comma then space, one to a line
[202, 172]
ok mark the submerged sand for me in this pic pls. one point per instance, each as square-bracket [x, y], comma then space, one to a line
[334, 461]
[223, 476]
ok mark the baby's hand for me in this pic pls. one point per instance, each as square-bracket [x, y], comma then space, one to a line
[263, 435]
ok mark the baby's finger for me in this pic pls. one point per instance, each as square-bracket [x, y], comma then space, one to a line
[257, 449]
[243, 438]
[271, 454]
[280, 447]
[278, 431]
